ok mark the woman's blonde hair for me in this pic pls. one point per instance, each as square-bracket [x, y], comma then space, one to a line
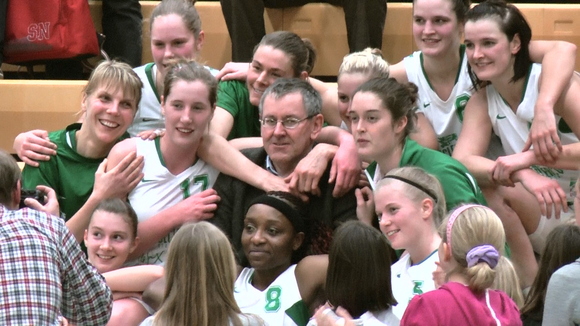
[115, 75]
[470, 227]
[507, 280]
[419, 185]
[368, 62]
[200, 273]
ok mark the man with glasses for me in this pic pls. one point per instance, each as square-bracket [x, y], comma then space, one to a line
[290, 116]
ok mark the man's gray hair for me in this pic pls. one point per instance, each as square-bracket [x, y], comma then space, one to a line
[284, 86]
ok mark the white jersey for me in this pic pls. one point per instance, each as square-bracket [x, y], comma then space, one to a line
[160, 189]
[279, 304]
[408, 281]
[148, 116]
[446, 116]
[513, 128]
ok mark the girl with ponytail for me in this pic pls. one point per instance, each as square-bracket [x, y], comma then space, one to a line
[472, 242]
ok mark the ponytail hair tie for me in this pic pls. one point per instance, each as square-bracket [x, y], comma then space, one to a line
[483, 253]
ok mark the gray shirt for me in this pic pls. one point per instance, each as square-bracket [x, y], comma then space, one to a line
[562, 305]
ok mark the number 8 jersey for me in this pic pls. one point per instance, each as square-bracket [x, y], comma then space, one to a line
[279, 304]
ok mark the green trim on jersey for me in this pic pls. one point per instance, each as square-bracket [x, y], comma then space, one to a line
[158, 150]
[523, 90]
[160, 154]
[149, 73]
[71, 137]
[526, 83]
[299, 313]
[461, 55]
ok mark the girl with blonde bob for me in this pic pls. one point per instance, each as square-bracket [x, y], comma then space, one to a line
[200, 274]
[473, 238]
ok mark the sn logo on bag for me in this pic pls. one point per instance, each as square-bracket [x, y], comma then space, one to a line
[38, 31]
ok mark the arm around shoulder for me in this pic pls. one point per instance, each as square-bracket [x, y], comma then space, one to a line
[399, 72]
[133, 279]
[222, 122]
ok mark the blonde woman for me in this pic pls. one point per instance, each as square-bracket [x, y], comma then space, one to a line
[473, 238]
[200, 274]
[410, 204]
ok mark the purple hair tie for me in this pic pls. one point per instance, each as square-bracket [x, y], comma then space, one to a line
[483, 253]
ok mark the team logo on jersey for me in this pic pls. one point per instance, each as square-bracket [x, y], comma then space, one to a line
[417, 287]
[460, 103]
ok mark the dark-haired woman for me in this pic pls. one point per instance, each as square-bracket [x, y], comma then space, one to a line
[507, 82]
[281, 286]
[359, 278]
[382, 115]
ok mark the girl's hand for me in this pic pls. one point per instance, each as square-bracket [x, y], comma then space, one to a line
[325, 316]
[544, 136]
[33, 146]
[309, 170]
[151, 134]
[345, 169]
[118, 181]
[550, 195]
[506, 165]
[365, 205]
[233, 71]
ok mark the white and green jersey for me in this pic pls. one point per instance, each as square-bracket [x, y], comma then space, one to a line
[446, 116]
[513, 128]
[160, 189]
[410, 280]
[279, 304]
[148, 115]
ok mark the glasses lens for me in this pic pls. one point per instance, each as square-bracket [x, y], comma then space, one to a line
[290, 123]
[269, 122]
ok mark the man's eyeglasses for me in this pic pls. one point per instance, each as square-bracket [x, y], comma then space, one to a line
[288, 123]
